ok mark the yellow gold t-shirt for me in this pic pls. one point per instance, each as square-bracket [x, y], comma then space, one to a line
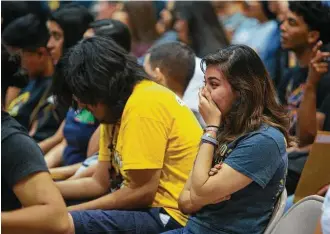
[157, 131]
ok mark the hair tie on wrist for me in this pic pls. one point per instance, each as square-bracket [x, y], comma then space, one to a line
[212, 126]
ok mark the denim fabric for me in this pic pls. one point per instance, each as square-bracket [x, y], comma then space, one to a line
[115, 221]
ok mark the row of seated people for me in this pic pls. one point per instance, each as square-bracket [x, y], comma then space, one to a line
[156, 70]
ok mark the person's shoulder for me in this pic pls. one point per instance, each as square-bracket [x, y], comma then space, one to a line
[266, 135]
[9, 126]
[148, 93]
[273, 133]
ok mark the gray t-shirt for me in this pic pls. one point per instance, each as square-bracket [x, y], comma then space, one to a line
[20, 158]
[261, 156]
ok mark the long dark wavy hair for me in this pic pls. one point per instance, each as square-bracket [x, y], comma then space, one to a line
[256, 103]
[97, 70]
[206, 32]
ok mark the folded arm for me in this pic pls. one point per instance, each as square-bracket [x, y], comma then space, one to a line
[90, 187]
[139, 193]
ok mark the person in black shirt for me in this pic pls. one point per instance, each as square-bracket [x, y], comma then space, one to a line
[34, 108]
[16, 79]
[305, 24]
[11, 10]
[310, 118]
[30, 201]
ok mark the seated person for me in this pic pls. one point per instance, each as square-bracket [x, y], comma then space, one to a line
[66, 27]
[11, 70]
[119, 32]
[30, 201]
[110, 28]
[310, 119]
[172, 65]
[34, 108]
[11, 10]
[264, 36]
[247, 134]
[77, 131]
[305, 24]
[148, 142]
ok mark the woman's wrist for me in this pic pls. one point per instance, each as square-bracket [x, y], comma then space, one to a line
[210, 138]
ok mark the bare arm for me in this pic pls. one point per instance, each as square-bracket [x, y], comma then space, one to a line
[206, 189]
[90, 187]
[11, 94]
[43, 209]
[140, 193]
[62, 173]
[185, 204]
[307, 120]
[52, 141]
[88, 172]
[54, 156]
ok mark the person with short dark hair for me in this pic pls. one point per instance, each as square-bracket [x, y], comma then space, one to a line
[10, 11]
[113, 29]
[173, 65]
[34, 109]
[246, 136]
[67, 26]
[148, 142]
[30, 201]
[306, 23]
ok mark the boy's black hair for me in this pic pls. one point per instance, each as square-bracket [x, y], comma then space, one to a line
[113, 29]
[315, 14]
[28, 33]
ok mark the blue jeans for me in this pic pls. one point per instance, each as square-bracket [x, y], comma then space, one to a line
[176, 231]
[195, 228]
[117, 221]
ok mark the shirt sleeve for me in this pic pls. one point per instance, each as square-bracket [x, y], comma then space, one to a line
[21, 157]
[257, 157]
[104, 142]
[147, 144]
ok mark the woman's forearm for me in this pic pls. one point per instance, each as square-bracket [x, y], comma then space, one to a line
[202, 166]
[62, 173]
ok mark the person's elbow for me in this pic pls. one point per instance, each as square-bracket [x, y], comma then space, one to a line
[187, 207]
[101, 187]
[59, 220]
[147, 197]
[306, 139]
[197, 200]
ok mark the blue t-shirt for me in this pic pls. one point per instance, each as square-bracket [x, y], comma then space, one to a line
[261, 156]
[78, 129]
